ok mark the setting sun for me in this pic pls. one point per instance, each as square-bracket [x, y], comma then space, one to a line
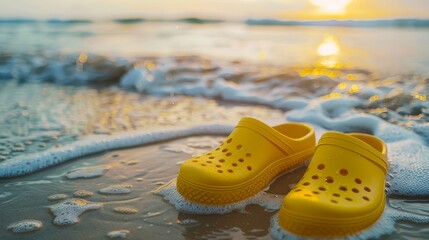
[331, 6]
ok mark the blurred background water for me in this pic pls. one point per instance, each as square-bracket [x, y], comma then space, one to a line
[376, 48]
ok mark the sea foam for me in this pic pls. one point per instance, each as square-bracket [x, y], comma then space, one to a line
[385, 225]
[68, 211]
[270, 202]
[82, 194]
[32, 162]
[56, 197]
[118, 234]
[116, 189]
[25, 226]
[125, 210]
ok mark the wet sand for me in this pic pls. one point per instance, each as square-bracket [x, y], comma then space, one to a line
[146, 168]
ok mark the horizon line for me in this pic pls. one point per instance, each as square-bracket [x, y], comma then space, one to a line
[386, 22]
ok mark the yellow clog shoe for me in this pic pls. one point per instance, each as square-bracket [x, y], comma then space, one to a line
[342, 191]
[246, 162]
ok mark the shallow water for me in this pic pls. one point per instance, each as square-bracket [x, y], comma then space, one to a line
[38, 117]
[375, 49]
[146, 168]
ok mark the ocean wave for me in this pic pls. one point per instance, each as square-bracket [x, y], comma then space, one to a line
[75, 69]
[393, 108]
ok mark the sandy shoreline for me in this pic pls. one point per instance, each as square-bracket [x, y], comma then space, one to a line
[146, 168]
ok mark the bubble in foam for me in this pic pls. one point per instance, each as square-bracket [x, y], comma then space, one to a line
[169, 191]
[125, 210]
[56, 197]
[342, 119]
[118, 234]
[25, 226]
[88, 172]
[82, 194]
[384, 226]
[117, 189]
[68, 211]
[408, 168]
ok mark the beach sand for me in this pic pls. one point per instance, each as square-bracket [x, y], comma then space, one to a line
[147, 168]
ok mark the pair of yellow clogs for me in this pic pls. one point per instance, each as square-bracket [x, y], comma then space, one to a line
[341, 193]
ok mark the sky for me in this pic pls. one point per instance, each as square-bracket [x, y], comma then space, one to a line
[229, 9]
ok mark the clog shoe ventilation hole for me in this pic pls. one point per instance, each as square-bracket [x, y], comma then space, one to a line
[223, 160]
[319, 182]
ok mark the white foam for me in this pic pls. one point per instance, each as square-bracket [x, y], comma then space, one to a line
[118, 234]
[68, 211]
[25, 226]
[123, 188]
[88, 172]
[125, 210]
[56, 197]
[158, 82]
[32, 162]
[384, 226]
[82, 194]
[169, 192]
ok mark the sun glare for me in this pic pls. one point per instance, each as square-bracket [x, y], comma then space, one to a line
[331, 6]
[329, 46]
